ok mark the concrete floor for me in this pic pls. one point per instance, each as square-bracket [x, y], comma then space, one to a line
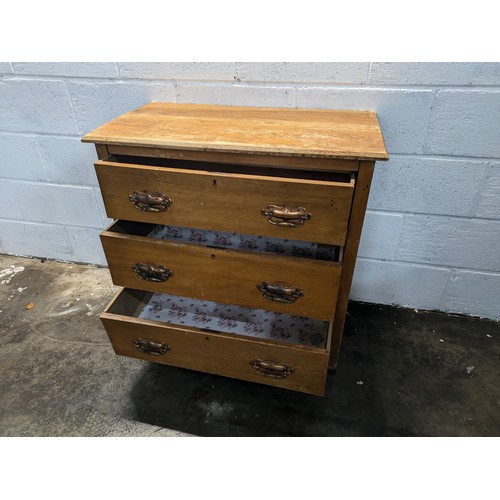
[401, 373]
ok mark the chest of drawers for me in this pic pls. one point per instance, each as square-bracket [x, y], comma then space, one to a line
[235, 235]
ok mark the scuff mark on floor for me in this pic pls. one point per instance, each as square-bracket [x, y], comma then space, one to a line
[216, 410]
[9, 273]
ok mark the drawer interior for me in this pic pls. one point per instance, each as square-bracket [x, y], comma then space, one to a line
[213, 317]
[146, 326]
[227, 240]
[341, 177]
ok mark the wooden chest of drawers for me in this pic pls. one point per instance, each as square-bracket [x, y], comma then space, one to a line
[235, 235]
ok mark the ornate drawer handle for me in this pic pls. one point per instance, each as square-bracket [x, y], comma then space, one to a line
[280, 292]
[272, 369]
[151, 272]
[151, 347]
[282, 215]
[150, 201]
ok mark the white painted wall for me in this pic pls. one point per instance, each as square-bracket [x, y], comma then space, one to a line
[432, 232]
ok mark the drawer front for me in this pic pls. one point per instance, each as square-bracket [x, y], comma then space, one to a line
[307, 210]
[297, 286]
[290, 367]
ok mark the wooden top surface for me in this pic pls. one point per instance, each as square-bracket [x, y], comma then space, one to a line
[236, 129]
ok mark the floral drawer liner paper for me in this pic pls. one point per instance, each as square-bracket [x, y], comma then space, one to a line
[245, 242]
[235, 319]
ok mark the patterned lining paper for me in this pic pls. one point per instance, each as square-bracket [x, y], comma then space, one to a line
[244, 242]
[235, 319]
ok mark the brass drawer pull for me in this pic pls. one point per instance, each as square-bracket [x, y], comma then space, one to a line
[280, 292]
[271, 369]
[151, 347]
[150, 201]
[151, 272]
[282, 215]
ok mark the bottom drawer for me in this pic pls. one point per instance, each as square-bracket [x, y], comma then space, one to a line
[253, 345]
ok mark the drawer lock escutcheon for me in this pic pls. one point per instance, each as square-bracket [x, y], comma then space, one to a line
[279, 292]
[282, 215]
[151, 272]
[151, 347]
[150, 201]
[271, 369]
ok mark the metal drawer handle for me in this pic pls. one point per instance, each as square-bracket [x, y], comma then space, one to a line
[150, 201]
[279, 292]
[271, 369]
[282, 215]
[151, 347]
[151, 272]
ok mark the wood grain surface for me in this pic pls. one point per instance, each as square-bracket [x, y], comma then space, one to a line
[228, 202]
[224, 275]
[363, 184]
[238, 129]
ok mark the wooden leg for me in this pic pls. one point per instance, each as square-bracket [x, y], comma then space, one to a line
[360, 200]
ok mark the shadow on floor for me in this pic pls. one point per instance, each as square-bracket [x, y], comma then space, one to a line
[209, 405]
[401, 373]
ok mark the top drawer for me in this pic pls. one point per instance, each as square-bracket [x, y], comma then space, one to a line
[226, 198]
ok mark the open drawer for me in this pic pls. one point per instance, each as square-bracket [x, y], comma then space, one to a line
[257, 346]
[261, 201]
[286, 276]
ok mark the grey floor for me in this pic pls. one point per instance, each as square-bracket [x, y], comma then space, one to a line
[401, 373]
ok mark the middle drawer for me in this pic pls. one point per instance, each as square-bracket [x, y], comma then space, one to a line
[294, 285]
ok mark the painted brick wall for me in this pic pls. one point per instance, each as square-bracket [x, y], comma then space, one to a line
[432, 232]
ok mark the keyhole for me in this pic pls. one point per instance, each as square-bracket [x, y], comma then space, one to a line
[215, 182]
